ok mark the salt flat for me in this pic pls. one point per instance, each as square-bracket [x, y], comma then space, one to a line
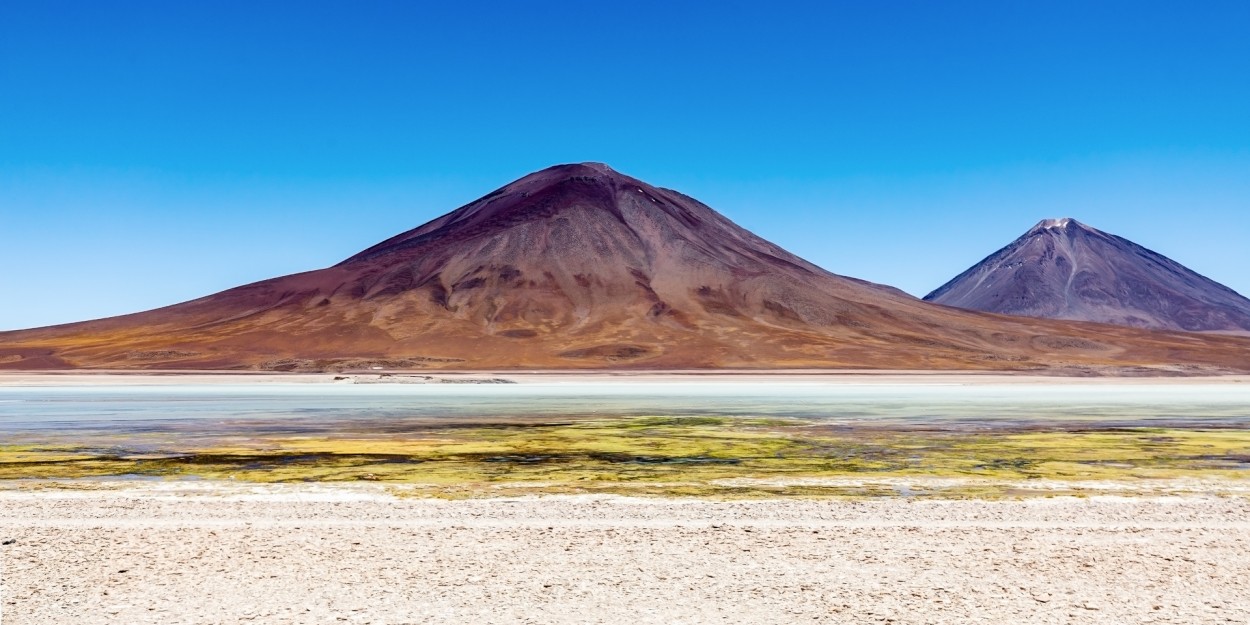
[221, 553]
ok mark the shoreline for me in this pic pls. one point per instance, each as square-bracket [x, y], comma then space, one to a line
[123, 499]
[844, 377]
[842, 490]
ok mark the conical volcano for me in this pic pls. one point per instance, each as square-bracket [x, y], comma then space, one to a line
[575, 247]
[1064, 269]
[579, 266]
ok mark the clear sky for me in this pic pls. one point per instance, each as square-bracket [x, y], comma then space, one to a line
[153, 152]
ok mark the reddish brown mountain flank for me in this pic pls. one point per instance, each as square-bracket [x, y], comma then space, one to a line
[578, 266]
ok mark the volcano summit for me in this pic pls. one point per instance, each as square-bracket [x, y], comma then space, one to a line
[579, 266]
[1064, 269]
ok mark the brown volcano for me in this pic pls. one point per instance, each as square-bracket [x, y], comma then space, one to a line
[1064, 269]
[578, 266]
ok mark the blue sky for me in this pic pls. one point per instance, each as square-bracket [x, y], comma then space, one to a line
[153, 152]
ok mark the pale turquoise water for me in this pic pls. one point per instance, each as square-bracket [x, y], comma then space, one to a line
[289, 408]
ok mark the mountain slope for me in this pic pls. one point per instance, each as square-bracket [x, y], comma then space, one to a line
[578, 266]
[1063, 269]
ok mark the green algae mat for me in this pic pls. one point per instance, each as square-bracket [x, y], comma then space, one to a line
[700, 456]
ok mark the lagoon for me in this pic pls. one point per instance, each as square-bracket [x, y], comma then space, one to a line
[634, 436]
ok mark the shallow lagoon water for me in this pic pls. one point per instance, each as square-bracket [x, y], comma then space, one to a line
[354, 408]
[626, 436]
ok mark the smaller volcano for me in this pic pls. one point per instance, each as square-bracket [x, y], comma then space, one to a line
[1064, 269]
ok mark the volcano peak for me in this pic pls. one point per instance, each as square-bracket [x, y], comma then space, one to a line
[1062, 224]
[603, 168]
[565, 172]
[1064, 269]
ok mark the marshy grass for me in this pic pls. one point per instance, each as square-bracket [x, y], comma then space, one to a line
[663, 455]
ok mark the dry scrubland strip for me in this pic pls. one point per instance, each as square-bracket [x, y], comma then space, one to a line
[681, 456]
[181, 552]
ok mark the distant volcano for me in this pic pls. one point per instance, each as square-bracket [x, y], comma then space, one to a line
[1064, 269]
[578, 266]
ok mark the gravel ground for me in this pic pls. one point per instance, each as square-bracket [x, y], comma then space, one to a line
[212, 553]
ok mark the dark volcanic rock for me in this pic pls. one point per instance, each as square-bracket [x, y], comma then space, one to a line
[1063, 269]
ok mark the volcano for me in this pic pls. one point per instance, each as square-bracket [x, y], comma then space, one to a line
[575, 267]
[1064, 269]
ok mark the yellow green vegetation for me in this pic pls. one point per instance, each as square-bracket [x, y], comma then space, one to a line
[666, 455]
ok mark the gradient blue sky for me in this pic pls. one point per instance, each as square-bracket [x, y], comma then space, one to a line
[153, 152]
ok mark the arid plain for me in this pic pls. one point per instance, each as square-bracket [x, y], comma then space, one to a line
[714, 514]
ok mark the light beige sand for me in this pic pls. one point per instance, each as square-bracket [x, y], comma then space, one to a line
[214, 553]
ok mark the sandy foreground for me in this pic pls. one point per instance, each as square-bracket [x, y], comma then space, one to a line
[180, 552]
